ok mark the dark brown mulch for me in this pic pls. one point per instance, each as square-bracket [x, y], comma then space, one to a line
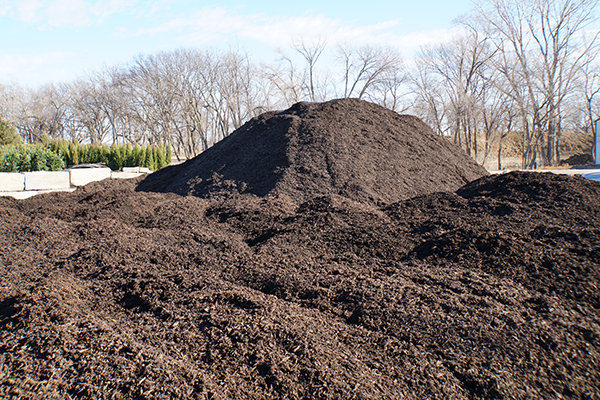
[346, 147]
[488, 291]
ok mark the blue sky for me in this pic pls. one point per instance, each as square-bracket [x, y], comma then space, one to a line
[45, 41]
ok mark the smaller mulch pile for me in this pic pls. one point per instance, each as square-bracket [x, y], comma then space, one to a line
[579, 160]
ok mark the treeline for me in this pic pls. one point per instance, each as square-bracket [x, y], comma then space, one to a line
[527, 66]
[521, 65]
[54, 155]
[184, 99]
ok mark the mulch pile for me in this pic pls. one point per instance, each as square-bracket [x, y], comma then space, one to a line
[579, 160]
[348, 147]
[253, 288]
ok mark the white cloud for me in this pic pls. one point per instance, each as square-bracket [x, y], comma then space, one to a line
[68, 12]
[159, 6]
[280, 31]
[413, 41]
[217, 24]
[36, 68]
[4, 8]
[27, 10]
[106, 8]
[64, 12]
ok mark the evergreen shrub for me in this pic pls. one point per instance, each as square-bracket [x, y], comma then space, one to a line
[54, 155]
[22, 158]
[114, 157]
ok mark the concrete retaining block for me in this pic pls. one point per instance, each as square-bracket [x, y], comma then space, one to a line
[126, 175]
[69, 190]
[22, 195]
[10, 181]
[137, 170]
[44, 180]
[83, 176]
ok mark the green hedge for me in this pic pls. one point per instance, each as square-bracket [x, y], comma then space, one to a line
[22, 158]
[54, 155]
[115, 157]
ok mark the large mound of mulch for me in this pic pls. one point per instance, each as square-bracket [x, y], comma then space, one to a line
[487, 291]
[346, 147]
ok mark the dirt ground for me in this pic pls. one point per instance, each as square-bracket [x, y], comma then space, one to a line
[139, 290]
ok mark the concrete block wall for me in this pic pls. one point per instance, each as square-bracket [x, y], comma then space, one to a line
[10, 182]
[22, 195]
[45, 180]
[83, 176]
[136, 170]
[27, 184]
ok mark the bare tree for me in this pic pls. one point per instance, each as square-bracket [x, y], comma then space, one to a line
[311, 54]
[429, 103]
[286, 80]
[366, 67]
[42, 112]
[590, 87]
[542, 53]
[459, 70]
[190, 99]
[392, 90]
